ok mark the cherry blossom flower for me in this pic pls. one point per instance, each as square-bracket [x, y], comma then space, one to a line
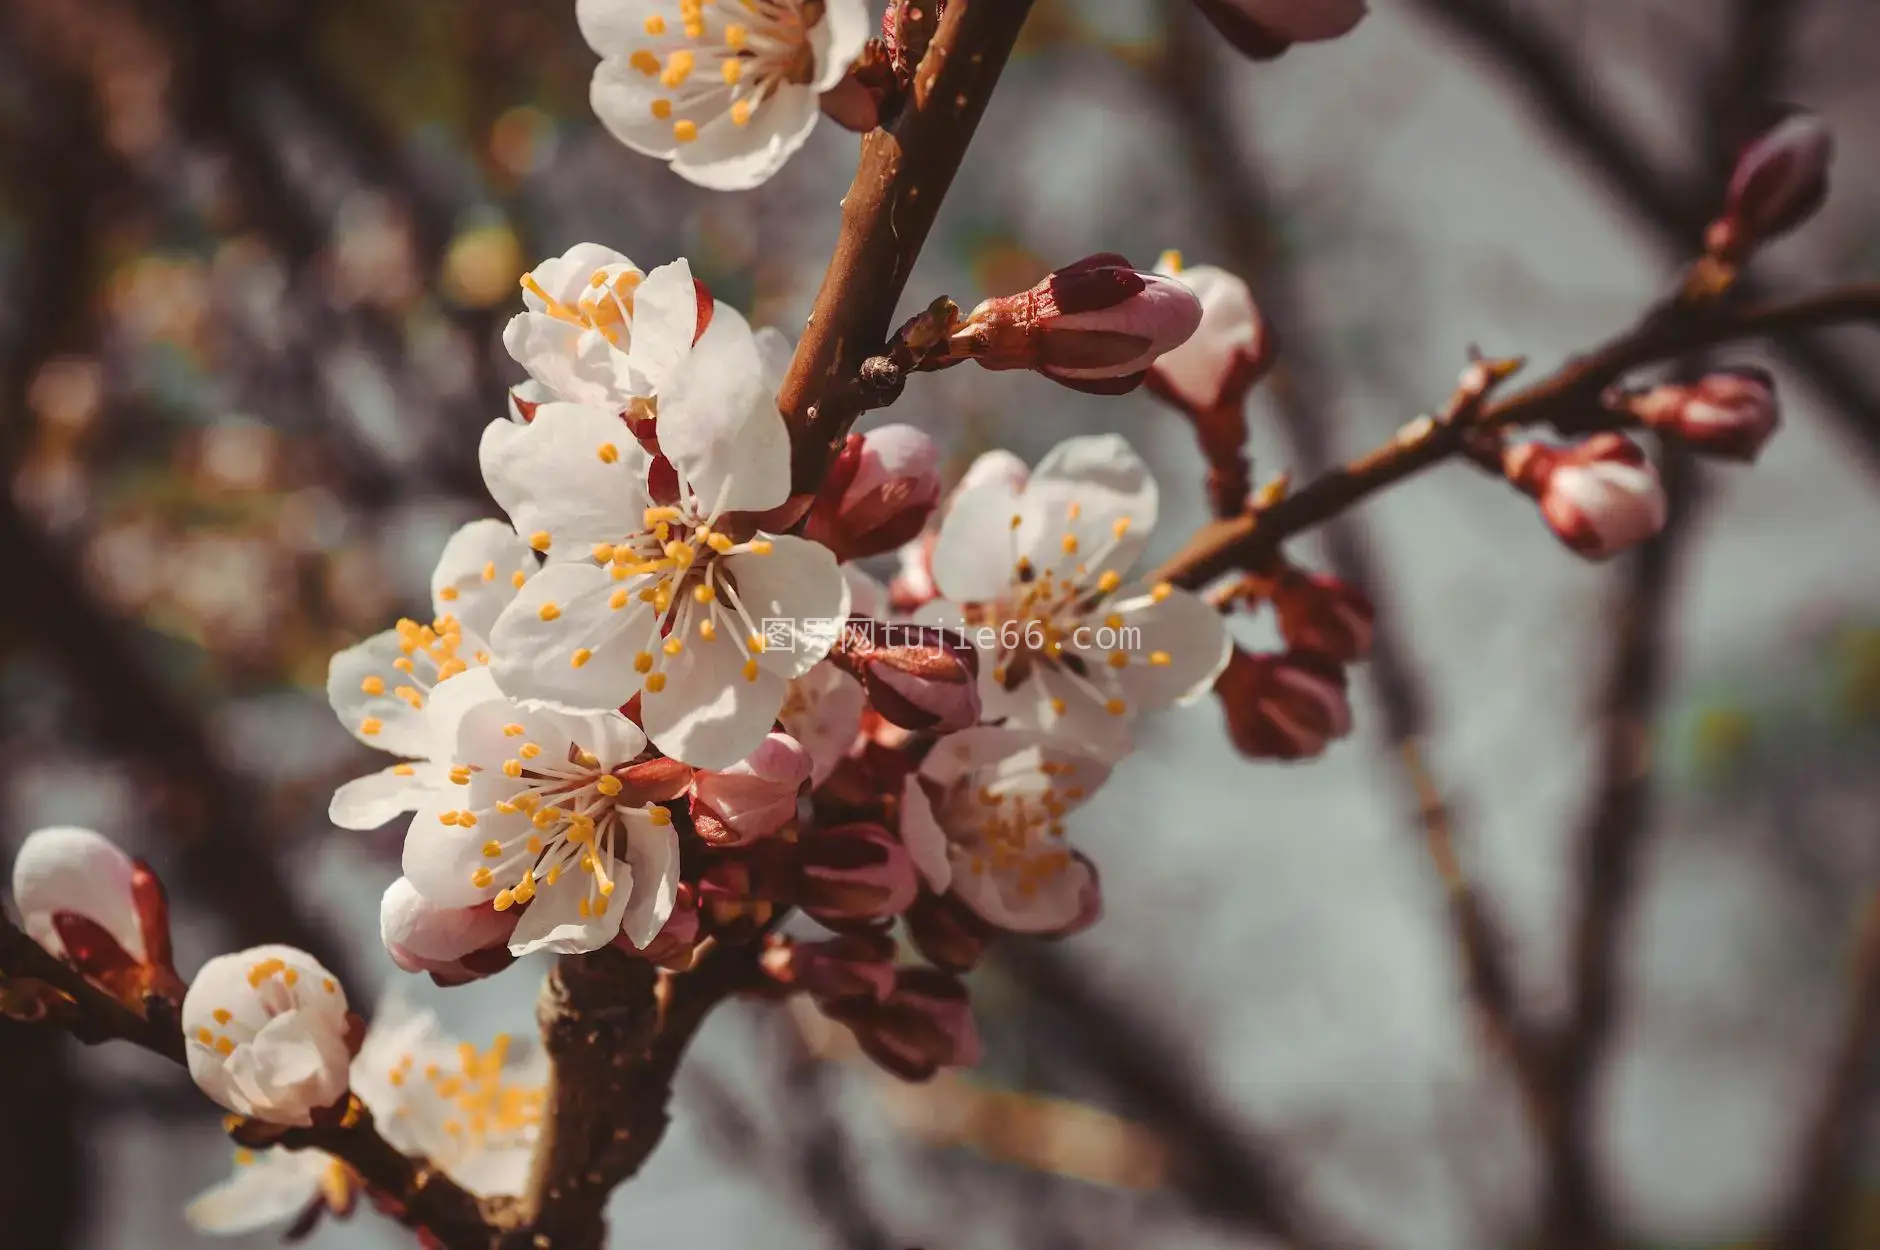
[267, 1034]
[1599, 496]
[471, 1113]
[1228, 351]
[983, 817]
[379, 688]
[598, 330]
[681, 602]
[452, 944]
[98, 909]
[543, 816]
[725, 91]
[1037, 576]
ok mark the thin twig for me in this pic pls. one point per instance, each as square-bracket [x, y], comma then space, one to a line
[1568, 399]
[905, 172]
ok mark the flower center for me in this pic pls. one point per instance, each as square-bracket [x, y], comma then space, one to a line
[605, 306]
[428, 654]
[750, 47]
[481, 1108]
[1013, 829]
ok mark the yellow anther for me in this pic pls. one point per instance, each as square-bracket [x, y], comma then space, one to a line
[549, 612]
[660, 514]
[1121, 527]
[736, 36]
[263, 970]
[655, 682]
[224, 1047]
[655, 24]
[756, 643]
[1115, 707]
[403, 664]
[541, 540]
[583, 909]
[221, 1015]
[608, 785]
[645, 62]
[1161, 659]
[1114, 620]
[678, 67]
[1110, 580]
[721, 543]
[659, 815]
[534, 845]
[460, 775]
[489, 571]
[643, 662]
[607, 452]
[492, 849]
[733, 71]
[672, 645]
[512, 731]
[1070, 544]
[504, 900]
[602, 552]
[619, 599]
[762, 546]
[372, 685]
[1073, 510]
[1161, 591]
[528, 750]
[204, 1036]
[750, 670]
[661, 109]
[1119, 659]
[448, 593]
[703, 593]
[403, 770]
[447, 818]
[517, 578]
[707, 631]
[680, 553]
[1057, 706]
[587, 759]
[370, 726]
[581, 656]
[1016, 520]
[512, 768]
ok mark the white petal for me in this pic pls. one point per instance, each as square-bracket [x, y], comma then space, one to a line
[622, 97]
[838, 39]
[925, 840]
[796, 596]
[1085, 487]
[999, 897]
[612, 25]
[652, 855]
[550, 477]
[369, 801]
[867, 597]
[1193, 637]
[708, 715]
[824, 712]
[441, 860]
[719, 425]
[394, 724]
[276, 1186]
[575, 364]
[451, 699]
[434, 933]
[476, 574]
[535, 657]
[65, 868]
[565, 277]
[553, 921]
[972, 560]
[774, 352]
[665, 320]
[730, 157]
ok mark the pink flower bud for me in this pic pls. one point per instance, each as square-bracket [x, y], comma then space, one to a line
[925, 1024]
[98, 909]
[1262, 29]
[854, 872]
[1323, 614]
[880, 491]
[1228, 352]
[453, 945]
[754, 797]
[1094, 326]
[855, 965]
[916, 676]
[1599, 496]
[1286, 707]
[1730, 413]
[1780, 180]
[948, 932]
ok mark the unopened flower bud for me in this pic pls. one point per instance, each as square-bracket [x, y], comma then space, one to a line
[1286, 707]
[1094, 326]
[754, 797]
[1780, 180]
[925, 1024]
[98, 909]
[854, 965]
[879, 493]
[1730, 413]
[948, 932]
[268, 1034]
[1599, 496]
[854, 872]
[453, 945]
[1323, 614]
[1228, 352]
[1262, 29]
[918, 677]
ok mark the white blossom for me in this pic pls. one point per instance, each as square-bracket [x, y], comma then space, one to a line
[983, 817]
[598, 330]
[724, 90]
[68, 869]
[681, 601]
[538, 817]
[266, 1034]
[1036, 572]
[379, 688]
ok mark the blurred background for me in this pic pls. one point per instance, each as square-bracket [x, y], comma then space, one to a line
[255, 256]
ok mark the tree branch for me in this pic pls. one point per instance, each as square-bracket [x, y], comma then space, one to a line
[1568, 400]
[905, 172]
